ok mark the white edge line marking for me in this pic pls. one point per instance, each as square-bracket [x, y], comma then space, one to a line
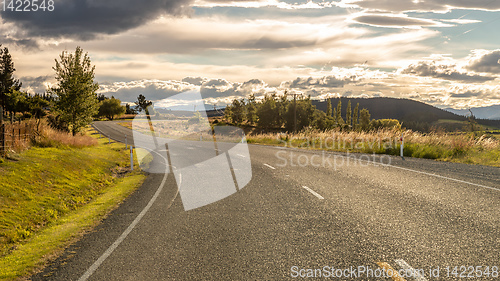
[416, 274]
[313, 192]
[439, 176]
[127, 231]
[420, 172]
[269, 166]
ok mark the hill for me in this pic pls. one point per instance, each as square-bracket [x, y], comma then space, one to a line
[414, 114]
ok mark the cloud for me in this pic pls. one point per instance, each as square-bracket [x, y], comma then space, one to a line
[260, 4]
[152, 89]
[485, 61]
[194, 35]
[37, 84]
[322, 82]
[198, 81]
[210, 89]
[85, 19]
[219, 88]
[440, 6]
[396, 21]
[447, 72]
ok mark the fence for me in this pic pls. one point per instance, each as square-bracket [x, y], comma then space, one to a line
[14, 135]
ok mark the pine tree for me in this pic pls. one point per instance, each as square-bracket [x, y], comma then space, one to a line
[340, 121]
[329, 108]
[364, 119]
[251, 110]
[7, 82]
[348, 114]
[355, 120]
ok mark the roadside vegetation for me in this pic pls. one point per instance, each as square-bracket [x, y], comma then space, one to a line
[468, 148]
[297, 123]
[52, 192]
[57, 180]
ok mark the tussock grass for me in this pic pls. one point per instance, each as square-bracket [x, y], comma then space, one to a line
[466, 148]
[49, 137]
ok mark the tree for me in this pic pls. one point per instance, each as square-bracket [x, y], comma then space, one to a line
[238, 111]
[129, 110]
[472, 121]
[334, 114]
[7, 81]
[76, 95]
[36, 107]
[355, 120]
[329, 107]
[267, 112]
[282, 106]
[251, 110]
[305, 114]
[110, 108]
[16, 101]
[348, 114]
[142, 103]
[340, 121]
[228, 114]
[364, 119]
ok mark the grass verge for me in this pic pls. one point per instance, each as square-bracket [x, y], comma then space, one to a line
[52, 195]
[482, 149]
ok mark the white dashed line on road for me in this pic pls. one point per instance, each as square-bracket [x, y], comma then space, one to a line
[241, 155]
[269, 166]
[313, 192]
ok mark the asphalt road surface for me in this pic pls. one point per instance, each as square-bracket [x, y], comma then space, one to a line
[303, 212]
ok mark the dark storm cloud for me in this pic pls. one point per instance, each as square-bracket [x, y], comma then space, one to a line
[28, 44]
[447, 72]
[84, 19]
[489, 62]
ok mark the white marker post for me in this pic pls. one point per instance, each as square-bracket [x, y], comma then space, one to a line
[131, 159]
[402, 146]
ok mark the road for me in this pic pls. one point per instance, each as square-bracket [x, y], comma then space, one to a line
[326, 213]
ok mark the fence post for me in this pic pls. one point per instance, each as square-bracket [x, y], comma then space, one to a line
[2, 138]
[131, 159]
[402, 146]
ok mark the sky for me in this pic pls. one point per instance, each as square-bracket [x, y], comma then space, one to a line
[442, 52]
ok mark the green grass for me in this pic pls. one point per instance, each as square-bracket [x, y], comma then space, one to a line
[52, 194]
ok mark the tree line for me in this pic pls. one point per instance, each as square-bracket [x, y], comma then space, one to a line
[297, 113]
[68, 106]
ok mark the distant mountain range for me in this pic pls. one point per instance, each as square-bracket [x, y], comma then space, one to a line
[486, 112]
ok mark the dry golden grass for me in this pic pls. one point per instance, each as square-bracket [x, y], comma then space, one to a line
[49, 137]
[468, 148]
